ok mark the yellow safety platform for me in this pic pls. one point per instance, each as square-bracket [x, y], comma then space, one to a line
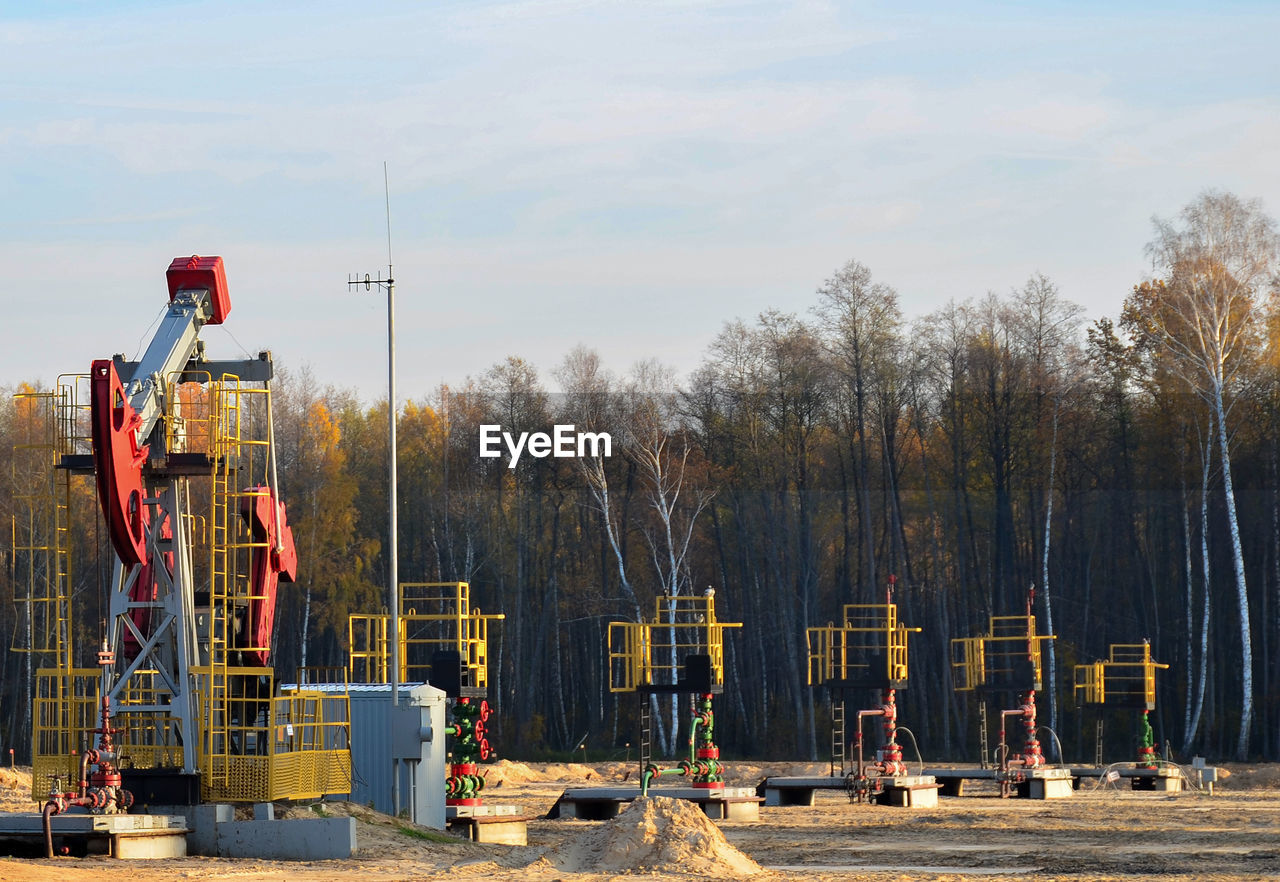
[654, 653]
[1008, 656]
[434, 616]
[869, 648]
[1127, 678]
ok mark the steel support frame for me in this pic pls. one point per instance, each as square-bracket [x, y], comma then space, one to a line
[171, 648]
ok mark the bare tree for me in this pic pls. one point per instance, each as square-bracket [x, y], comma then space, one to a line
[1205, 314]
[860, 320]
[677, 497]
[1046, 326]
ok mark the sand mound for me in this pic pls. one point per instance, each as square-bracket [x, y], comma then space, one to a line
[508, 772]
[655, 833]
[15, 789]
[577, 772]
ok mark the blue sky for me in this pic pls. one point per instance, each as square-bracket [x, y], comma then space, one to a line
[624, 175]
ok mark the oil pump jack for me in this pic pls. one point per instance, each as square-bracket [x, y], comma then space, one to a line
[183, 702]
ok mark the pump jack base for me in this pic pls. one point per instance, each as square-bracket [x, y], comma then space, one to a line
[1165, 779]
[1047, 783]
[603, 803]
[903, 791]
[119, 836]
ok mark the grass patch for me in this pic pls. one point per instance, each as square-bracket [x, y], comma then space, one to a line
[427, 835]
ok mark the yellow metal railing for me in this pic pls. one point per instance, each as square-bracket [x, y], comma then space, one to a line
[291, 746]
[254, 745]
[1090, 683]
[64, 711]
[1010, 644]
[629, 655]
[869, 638]
[654, 653]
[45, 427]
[434, 616]
[1127, 677]
[367, 661]
[149, 739]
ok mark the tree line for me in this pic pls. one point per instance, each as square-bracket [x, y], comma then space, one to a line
[1128, 472]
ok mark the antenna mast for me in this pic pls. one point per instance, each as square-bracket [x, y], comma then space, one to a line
[388, 284]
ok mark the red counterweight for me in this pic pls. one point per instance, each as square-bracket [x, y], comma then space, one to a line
[276, 560]
[119, 462]
[202, 272]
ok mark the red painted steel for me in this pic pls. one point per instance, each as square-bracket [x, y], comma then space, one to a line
[202, 272]
[119, 462]
[277, 560]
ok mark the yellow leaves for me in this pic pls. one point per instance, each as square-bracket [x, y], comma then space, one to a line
[322, 434]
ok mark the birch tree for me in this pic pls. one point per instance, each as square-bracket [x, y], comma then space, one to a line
[1218, 263]
[1046, 326]
[676, 497]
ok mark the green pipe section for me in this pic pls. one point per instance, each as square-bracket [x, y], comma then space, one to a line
[654, 772]
[693, 738]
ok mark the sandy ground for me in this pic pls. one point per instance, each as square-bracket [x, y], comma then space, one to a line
[1099, 834]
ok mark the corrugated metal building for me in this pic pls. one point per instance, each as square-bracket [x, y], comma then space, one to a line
[412, 740]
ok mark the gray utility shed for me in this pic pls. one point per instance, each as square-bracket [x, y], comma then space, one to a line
[412, 741]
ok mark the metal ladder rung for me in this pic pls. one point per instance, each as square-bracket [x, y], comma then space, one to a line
[982, 732]
[838, 756]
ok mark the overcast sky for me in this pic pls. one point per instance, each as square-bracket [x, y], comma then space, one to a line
[624, 175]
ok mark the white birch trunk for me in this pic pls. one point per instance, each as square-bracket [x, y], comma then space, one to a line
[1052, 680]
[1206, 457]
[1191, 616]
[1242, 594]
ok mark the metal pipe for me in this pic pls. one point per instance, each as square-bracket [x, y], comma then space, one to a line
[879, 712]
[84, 772]
[50, 809]
[685, 768]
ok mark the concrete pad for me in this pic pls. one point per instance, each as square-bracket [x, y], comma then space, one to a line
[302, 839]
[495, 824]
[1160, 780]
[1047, 784]
[479, 811]
[121, 836]
[603, 803]
[735, 809]
[915, 791]
[778, 796]
[202, 821]
[491, 829]
[148, 847]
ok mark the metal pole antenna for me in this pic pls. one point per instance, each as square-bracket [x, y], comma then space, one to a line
[392, 527]
[394, 536]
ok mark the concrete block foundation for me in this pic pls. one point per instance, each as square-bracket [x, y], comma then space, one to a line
[603, 803]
